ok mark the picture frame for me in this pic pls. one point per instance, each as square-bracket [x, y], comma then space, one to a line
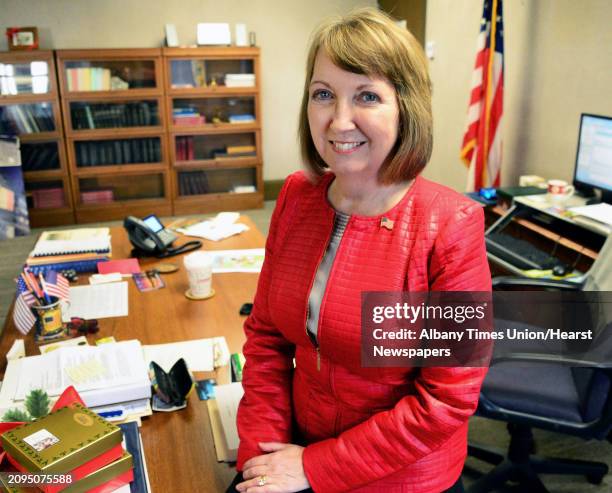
[22, 38]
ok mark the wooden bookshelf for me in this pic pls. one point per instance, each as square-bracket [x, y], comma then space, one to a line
[116, 132]
[30, 109]
[214, 128]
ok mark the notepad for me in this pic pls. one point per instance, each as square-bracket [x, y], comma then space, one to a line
[71, 241]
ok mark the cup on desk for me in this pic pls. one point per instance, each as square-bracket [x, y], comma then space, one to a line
[199, 272]
[559, 191]
[48, 318]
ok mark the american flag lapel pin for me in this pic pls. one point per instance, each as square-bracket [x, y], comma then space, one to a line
[385, 222]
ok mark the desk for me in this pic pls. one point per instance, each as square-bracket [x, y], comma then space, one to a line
[178, 446]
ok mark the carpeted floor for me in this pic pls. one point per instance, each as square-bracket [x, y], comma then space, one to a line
[13, 253]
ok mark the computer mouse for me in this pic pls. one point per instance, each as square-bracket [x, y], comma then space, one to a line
[560, 270]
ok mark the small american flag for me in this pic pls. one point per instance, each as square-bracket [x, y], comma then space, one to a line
[387, 223]
[22, 314]
[482, 142]
[57, 285]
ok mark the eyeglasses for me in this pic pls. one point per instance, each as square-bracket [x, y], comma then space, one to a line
[79, 325]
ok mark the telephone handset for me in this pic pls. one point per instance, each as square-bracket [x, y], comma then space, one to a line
[150, 237]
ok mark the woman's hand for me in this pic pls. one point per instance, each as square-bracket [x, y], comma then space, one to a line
[279, 471]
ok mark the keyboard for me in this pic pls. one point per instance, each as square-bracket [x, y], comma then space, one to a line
[519, 253]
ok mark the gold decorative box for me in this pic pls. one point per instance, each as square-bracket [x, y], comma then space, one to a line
[61, 441]
[102, 475]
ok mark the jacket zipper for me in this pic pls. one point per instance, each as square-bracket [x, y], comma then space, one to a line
[311, 337]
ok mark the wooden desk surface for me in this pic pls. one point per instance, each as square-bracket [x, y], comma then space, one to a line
[178, 446]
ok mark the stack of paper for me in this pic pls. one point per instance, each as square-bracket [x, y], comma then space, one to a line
[222, 226]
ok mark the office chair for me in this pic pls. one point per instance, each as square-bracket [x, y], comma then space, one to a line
[553, 393]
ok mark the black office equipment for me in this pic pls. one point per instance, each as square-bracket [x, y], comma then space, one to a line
[519, 253]
[149, 237]
[593, 169]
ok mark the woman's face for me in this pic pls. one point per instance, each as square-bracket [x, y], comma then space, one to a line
[353, 118]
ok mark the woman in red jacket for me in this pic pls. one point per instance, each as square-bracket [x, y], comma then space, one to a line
[361, 219]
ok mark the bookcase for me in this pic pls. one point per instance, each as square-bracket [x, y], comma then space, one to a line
[214, 128]
[116, 137]
[29, 108]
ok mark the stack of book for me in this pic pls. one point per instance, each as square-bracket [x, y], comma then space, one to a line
[72, 249]
[243, 118]
[71, 440]
[120, 151]
[88, 79]
[116, 115]
[38, 156]
[21, 119]
[48, 198]
[184, 149]
[237, 151]
[97, 197]
[187, 116]
[239, 80]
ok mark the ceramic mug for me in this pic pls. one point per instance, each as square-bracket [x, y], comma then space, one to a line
[559, 191]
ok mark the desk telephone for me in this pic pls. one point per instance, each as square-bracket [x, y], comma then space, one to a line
[150, 237]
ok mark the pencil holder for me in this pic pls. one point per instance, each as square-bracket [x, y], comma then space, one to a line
[48, 319]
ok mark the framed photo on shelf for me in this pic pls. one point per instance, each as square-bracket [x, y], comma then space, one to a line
[22, 38]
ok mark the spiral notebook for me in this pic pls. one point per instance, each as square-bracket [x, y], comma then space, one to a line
[72, 241]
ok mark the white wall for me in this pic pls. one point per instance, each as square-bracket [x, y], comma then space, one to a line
[558, 64]
[282, 28]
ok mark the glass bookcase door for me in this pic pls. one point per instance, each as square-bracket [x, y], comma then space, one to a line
[94, 115]
[109, 75]
[112, 188]
[199, 111]
[207, 181]
[40, 156]
[24, 78]
[46, 194]
[27, 118]
[215, 146]
[201, 73]
[117, 151]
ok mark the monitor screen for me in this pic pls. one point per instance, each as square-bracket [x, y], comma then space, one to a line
[594, 154]
[153, 223]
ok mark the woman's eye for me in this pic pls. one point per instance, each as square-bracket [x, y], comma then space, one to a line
[369, 97]
[321, 95]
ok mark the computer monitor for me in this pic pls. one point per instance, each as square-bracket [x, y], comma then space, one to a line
[594, 156]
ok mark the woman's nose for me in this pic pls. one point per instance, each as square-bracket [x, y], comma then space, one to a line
[343, 118]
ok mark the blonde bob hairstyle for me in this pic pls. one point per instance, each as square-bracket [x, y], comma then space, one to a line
[368, 42]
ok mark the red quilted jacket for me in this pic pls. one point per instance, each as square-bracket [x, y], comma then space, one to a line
[367, 430]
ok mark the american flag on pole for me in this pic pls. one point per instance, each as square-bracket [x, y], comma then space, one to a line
[22, 314]
[482, 142]
[57, 285]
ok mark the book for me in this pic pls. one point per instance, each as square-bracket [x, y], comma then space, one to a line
[222, 411]
[81, 240]
[132, 442]
[61, 441]
[82, 472]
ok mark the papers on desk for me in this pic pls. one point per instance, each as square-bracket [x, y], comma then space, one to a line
[223, 225]
[101, 374]
[601, 212]
[249, 260]
[199, 354]
[97, 301]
